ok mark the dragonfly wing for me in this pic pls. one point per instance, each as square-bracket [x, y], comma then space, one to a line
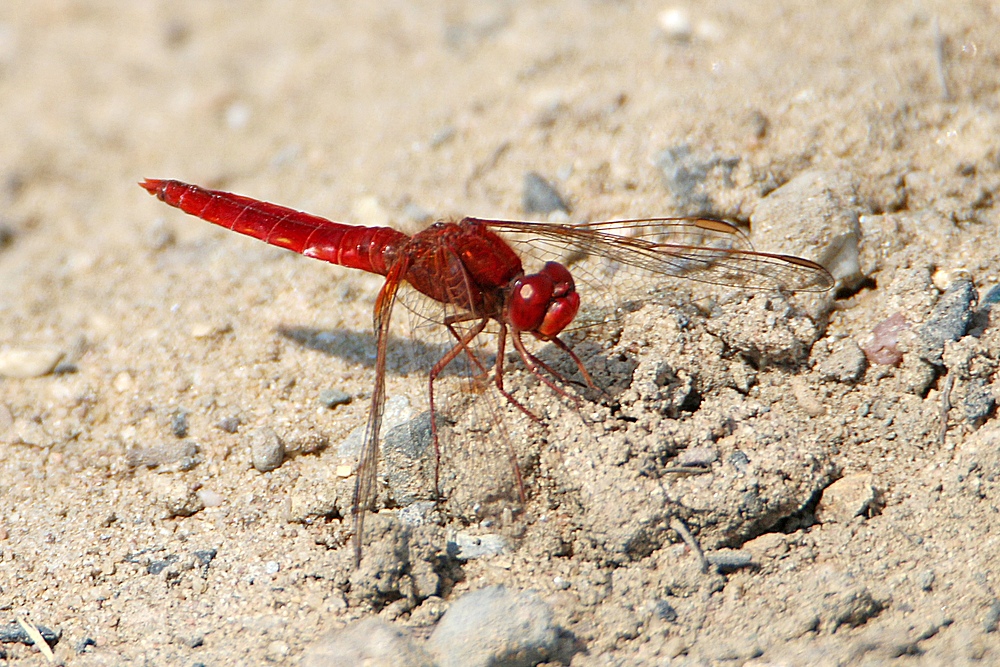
[701, 249]
[364, 488]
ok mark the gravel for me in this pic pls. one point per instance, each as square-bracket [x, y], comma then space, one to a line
[494, 627]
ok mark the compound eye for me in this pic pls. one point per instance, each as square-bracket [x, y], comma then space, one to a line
[558, 315]
[561, 278]
[529, 301]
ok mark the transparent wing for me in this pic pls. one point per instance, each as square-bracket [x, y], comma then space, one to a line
[364, 489]
[702, 249]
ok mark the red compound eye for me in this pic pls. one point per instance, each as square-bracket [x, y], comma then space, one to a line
[529, 301]
[544, 303]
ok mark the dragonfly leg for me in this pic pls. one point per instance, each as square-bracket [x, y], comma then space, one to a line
[498, 376]
[534, 364]
[498, 369]
[461, 346]
[572, 355]
[472, 357]
[498, 379]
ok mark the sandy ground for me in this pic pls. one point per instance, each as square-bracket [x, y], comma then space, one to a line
[864, 494]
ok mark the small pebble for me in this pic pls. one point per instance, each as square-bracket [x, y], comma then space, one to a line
[397, 411]
[229, 424]
[28, 363]
[494, 626]
[210, 498]
[158, 566]
[882, 345]
[205, 556]
[664, 611]
[331, 398]
[84, 644]
[122, 382]
[267, 451]
[13, 632]
[839, 599]
[540, 196]
[730, 560]
[848, 497]
[698, 456]
[442, 136]
[176, 496]
[179, 424]
[277, 651]
[171, 455]
[949, 320]
[209, 330]
[979, 402]
[465, 546]
[739, 460]
[926, 580]
[992, 617]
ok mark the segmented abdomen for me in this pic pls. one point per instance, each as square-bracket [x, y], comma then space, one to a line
[370, 249]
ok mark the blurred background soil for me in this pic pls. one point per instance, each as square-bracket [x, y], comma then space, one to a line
[149, 355]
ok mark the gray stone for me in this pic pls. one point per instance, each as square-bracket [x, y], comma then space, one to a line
[331, 398]
[370, 642]
[469, 547]
[493, 627]
[267, 451]
[949, 321]
[814, 215]
[408, 456]
[730, 560]
[539, 196]
[979, 402]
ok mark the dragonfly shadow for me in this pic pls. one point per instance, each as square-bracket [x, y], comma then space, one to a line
[405, 355]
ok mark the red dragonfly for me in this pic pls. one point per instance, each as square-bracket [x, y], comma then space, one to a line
[474, 272]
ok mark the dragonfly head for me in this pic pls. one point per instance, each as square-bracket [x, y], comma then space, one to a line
[544, 303]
